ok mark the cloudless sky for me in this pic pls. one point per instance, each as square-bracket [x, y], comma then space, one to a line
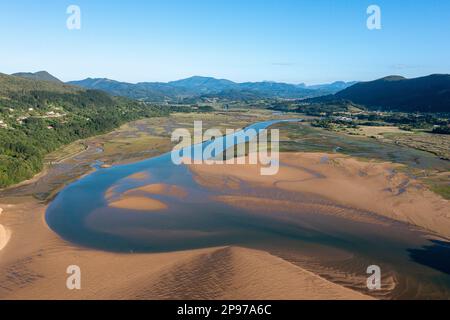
[312, 41]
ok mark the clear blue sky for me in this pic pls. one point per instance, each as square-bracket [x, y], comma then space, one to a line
[294, 41]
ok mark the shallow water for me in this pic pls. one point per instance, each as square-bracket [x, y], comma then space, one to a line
[313, 139]
[336, 248]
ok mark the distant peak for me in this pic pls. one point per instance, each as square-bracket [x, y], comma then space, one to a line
[393, 78]
[40, 75]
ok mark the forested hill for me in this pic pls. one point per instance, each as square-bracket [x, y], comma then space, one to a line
[36, 117]
[11, 84]
[40, 75]
[424, 94]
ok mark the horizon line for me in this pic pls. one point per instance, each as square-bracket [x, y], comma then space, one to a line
[221, 78]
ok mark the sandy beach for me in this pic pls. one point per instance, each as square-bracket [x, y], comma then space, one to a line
[33, 266]
[380, 188]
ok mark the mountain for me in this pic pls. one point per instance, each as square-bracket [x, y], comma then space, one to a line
[424, 94]
[269, 89]
[148, 91]
[40, 75]
[14, 84]
[198, 87]
[331, 88]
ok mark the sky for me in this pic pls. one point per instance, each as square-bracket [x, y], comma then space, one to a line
[295, 41]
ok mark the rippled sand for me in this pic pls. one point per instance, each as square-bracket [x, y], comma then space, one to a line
[34, 267]
[371, 186]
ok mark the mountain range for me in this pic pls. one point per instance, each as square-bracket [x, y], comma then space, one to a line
[423, 94]
[208, 87]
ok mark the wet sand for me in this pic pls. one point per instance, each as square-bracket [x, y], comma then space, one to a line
[138, 204]
[380, 188]
[139, 199]
[140, 176]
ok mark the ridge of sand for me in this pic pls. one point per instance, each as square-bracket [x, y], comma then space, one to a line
[137, 198]
[162, 189]
[138, 203]
[365, 185]
[37, 270]
[267, 206]
[139, 176]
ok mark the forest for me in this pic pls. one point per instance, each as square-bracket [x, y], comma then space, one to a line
[29, 132]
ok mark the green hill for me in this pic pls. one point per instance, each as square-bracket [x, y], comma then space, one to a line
[424, 94]
[40, 75]
[36, 117]
[10, 84]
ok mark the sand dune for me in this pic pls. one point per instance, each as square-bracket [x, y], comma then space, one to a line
[37, 259]
[238, 273]
[371, 186]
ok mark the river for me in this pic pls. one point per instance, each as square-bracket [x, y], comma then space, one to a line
[338, 249]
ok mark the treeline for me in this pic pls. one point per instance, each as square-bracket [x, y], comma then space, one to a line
[26, 141]
[313, 109]
[190, 108]
[407, 120]
[442, 130]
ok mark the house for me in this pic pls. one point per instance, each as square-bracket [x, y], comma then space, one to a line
[20, 119]
[343, 119]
